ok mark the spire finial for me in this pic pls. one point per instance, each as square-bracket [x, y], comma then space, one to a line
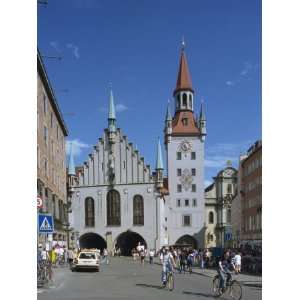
[159, 160]
[182, 44]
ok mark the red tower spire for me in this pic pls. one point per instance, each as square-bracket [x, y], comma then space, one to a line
[183, 79]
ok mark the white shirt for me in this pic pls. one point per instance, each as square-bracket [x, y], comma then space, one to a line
[44, 255]
[237, 259]
[166, 258]
[151, 253]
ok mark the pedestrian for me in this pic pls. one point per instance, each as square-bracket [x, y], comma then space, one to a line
[142, 254]
[237, 261]
[105, 254]
[151, 255]
[70, 257]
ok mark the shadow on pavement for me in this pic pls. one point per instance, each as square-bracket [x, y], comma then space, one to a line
[198, 294]
[255, 285]
[150, 286]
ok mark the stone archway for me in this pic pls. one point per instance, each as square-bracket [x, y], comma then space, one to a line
[92, 240]
[187, 240]
[128, 240]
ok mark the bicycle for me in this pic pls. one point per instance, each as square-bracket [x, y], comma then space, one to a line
[170, 280]
[233, 287]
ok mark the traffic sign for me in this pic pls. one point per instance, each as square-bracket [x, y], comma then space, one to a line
[46, 223]
[39, 202]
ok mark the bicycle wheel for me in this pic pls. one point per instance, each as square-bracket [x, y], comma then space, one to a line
[235, 291]
[170, 282]
[215, 286]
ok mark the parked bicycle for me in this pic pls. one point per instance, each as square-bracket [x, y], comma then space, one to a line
[44, 272]
[232, 287]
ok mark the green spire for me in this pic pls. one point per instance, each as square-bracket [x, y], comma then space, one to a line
[71, 169]
[159, 161]
[168, 114]
[111, 113]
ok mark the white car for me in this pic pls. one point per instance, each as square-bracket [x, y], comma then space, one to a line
[87, 260]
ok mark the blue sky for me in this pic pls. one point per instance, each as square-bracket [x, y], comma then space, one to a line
[135, 44]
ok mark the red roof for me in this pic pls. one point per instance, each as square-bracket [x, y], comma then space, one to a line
[183, 79]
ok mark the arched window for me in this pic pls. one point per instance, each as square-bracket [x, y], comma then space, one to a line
[178, 101]
[211, 217]
[89, 212]
[190, 101]
[138, 210]
[184, 100]
[113, 208]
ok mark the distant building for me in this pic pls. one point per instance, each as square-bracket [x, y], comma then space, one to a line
[218, 201]
[51, 166]
[251, 196]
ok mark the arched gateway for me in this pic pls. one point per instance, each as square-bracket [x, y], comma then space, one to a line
[187, 240]
[92, 240]
[128, 240]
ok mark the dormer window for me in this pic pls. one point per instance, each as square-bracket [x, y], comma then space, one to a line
[185, 121]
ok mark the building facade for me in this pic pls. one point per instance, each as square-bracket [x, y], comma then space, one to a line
[117, 201]
[251, 196]
[219, 197]
[51, 165]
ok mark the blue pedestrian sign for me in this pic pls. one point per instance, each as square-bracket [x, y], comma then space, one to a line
[46, 223]
[228, 236]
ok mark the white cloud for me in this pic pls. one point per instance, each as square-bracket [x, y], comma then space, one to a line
[217, 155]
[55, 45]
[75, 50]
[121, 107]
[77, 147]
[230, 83]
[247, 68]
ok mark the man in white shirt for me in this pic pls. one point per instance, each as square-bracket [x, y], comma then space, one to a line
[151, 255]
[168, 262]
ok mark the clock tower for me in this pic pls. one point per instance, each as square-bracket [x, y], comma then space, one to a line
[184, 142]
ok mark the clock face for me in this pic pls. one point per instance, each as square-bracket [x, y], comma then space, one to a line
[186, 146]
[228, 172]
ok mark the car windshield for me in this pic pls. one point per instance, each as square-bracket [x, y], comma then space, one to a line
[87, 255]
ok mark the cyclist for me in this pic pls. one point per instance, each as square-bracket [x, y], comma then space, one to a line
[224, 266]
[168, 262]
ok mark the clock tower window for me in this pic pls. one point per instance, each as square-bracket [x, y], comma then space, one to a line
[179, 188]
[193, 155]
[178, 172]
[184, 100]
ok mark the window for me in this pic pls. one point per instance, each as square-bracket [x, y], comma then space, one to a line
[138, 210]
[178, 101]
[124, 164]
[178, 203]
[184, 100]
[46, 167]
[229, 188]
[113, 208]
[186, 220]
[46, 135]
[178, 172]
[178, 155]
[193, 155]
[185, 121]
[229, 216]
[89, 212]
[190, 101]
[193, 187]
[194, 202]
[38, 156]
[179, 188]
[45, 103]
[186, 202]
[51, 120]
[193, 172]
[211, 217]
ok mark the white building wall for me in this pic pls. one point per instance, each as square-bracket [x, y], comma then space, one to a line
[175, 214]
